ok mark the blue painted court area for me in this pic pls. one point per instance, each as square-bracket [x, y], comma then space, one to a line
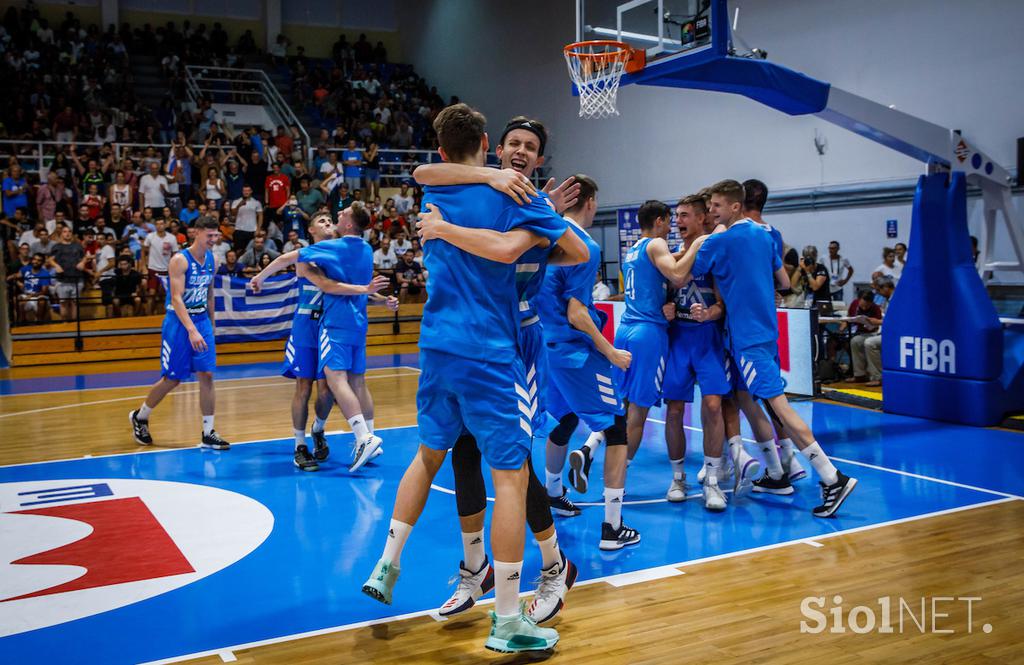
[328, 529]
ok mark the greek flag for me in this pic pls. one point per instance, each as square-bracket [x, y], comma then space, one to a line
[244, 316]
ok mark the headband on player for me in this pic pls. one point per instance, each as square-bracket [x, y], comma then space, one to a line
[529, 126]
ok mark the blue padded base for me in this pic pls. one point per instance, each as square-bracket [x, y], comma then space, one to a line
[952, 400]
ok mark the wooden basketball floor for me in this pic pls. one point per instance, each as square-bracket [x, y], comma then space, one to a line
[736, 606]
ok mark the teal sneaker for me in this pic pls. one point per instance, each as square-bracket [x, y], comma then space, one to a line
[518, 634]
[382, 581]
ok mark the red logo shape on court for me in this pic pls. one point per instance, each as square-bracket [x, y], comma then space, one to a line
[783, 319]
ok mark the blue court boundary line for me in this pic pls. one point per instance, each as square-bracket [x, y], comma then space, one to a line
[663, 568]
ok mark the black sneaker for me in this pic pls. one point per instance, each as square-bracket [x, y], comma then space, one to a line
[563, 507]
[612, 539]
[832, 496]
[320, 449]
[579, 468]
[213, 441]
[768, 485]
[140, 429]
[304, 461]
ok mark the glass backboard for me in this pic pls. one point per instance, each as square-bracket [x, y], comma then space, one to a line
[660, 27]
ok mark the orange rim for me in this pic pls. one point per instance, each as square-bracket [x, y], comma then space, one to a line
[635, 59]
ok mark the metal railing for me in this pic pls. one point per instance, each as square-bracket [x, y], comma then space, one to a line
[242, 86]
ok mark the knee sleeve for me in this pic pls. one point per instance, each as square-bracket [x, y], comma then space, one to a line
[616, 434]
[538, 508]
[470, 492]
[562, 432]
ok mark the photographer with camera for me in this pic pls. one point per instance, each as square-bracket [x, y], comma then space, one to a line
[811, 278]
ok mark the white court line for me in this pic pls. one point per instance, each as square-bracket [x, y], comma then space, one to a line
[718, 557]
[227, 657]
[135, 385]
[189, 391]
[646, 575]
[884, 468]
[813, 543]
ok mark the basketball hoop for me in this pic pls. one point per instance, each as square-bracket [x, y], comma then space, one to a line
[596, 67]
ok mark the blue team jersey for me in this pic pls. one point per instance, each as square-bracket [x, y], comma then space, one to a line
[698, 290]
[743, 261]
[646, 288]
[776, 238]
[529, 277]
[348, 259]
[564, 282]
[198, 278]
[35, 281]
[306, 322]
[472, 307]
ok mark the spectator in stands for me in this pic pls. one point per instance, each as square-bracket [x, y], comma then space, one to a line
[256, 174]
[887, 267]
[190, 213]
[106, 267]
[248, 215]
[234, 177]
[231, 266]
[278, 189]
[83, 220]
[44, 244]
[309, 198]
[811, 278]
[404, 201]
[121, 192]
[410, 276]
[601, 290]
[15, 264]
[34, 282]
[372, 158]
[330, 168]
[16, 190]
[866, 344]
[284, 142]
[294, 242]
[68, 262]
[117, 222]
[403, 136]
[257, 248]
[157, 250]
[48, 196]
[153, 189]
[352, 160]
[840, 271]
[901, 258]
[384, 258]
[884, 288]
[293, 218]
[94, 202]
[126, 288]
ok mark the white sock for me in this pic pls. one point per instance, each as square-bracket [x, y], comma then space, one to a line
[613, 506]
[358, 426]
[553, 481]
[398, 532]
[506, 588]
[677, 469]
[787, 447]
[300, 438]
[549, 552]
[144, 412]
[207, 424]
[736, 448]
[711, 466]
[821, 463]
[473, 550]
[594, 440]
[771, 458]
[319, 424]
[369, 424]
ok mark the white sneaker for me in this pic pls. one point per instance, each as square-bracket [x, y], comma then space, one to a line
[677, 490]
[746, 470]
[793, 466]
[554, 583]
[363, 451]
[724, 471]
[471, 586]
[714, 498]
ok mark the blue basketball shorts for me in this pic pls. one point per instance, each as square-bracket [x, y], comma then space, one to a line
[338, 354]
[580, 381]
[534, 354]
[486, 399]
[757, 367]
[641, 383]
[696, 354]
[177, 357]
[301, 358]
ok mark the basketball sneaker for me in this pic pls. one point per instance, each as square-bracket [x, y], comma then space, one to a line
[794, 468]
[363, 451]
[714, 498]
[140, 429]
[677, 490]
[518, 634]
[470, 587]
[382, 581]
[555, 581]
[768, 485]
[745, 470]
[833, 496]
[579, 468]
[562, 506]
[612, 539]
[320, 448]
[214, 442]
[304, 461]
[725, 471]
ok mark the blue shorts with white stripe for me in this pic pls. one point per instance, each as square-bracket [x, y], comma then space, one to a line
[301, 359]
[338, 354]
[580, 381]
[758, 369]
[648, 343]
[177, 357]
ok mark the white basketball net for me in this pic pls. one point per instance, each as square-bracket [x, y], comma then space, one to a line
[596, 68]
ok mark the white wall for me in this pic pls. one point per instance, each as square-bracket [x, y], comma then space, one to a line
[953, 63]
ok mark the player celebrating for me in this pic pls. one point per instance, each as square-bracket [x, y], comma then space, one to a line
[696, 354]
[472, 378]
[187, 337]
[743, 260]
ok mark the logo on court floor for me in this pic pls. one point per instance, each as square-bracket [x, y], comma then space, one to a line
[74, 548]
